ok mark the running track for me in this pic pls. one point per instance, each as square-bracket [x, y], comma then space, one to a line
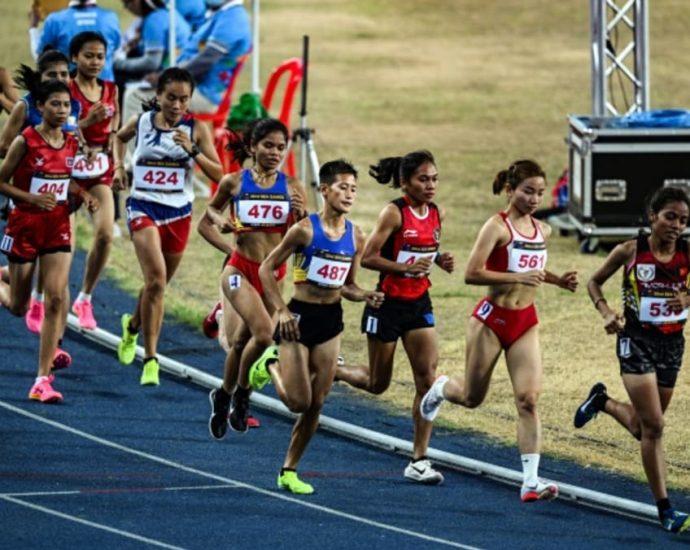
[122, 466]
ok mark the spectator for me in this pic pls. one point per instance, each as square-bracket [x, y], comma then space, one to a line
[214, 50]
[193, 11]
[153, 46]
[79, 16]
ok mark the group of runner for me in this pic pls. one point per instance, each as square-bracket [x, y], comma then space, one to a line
[63, 158]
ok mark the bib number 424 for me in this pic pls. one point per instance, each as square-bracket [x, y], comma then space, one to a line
[160, 177]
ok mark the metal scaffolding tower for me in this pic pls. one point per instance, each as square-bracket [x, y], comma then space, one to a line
[620, 57]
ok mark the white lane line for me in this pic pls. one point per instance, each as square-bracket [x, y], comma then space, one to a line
[100, 526]
[117, 490]
[209, 475]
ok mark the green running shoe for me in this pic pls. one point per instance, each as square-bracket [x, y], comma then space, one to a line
[127, 348]
[149, 374]
[289, 481]
[259, 375]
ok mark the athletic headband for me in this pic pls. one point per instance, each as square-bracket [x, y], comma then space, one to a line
[152, 4]
[75, 3]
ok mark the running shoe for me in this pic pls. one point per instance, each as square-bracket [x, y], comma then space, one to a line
[259, 375]
[210, 324]
[34, 317]
[675, 522]
[239, 412]
[422, 472]
[253, 422]
[588, 409]
[220, 409]
[43, 391]
[61, 359]
[431, 402]
[84, 310]
[289, 481]
[127, 348]
[541, 491]
[149, 374]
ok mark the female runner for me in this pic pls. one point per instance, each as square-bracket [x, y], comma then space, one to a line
[509, 256]
[403, 247]
[159, 207]
[93, 168]
[650, 342]
[39, 162]
[264, 203]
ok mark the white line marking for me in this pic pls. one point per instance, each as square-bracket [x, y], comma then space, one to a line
[100, 526]
[189, 469]
[118, 490]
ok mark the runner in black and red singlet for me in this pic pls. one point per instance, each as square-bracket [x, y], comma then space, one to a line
[403, 247]
[650, 341]
[509, 256]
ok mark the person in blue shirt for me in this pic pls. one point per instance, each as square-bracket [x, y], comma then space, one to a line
[193, 11]
[155, 25]
[79, 16]
[214, 50]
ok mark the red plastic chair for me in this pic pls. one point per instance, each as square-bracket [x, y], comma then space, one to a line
[292, 69]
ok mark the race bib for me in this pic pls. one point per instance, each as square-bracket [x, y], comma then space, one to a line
[263, 212]
[58, 185]
[329, 270]
[522, 260]
[159, 176]
[84, 169]
[657, 311]
[410, 257]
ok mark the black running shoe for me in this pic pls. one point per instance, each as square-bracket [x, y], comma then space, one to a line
[218, 422]
[239, 410]
[588, 409]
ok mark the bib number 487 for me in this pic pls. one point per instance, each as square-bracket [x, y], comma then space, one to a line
[333, 272]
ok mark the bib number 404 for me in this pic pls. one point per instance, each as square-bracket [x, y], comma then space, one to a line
[57, 189]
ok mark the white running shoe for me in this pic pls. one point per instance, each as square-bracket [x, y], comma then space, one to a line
[431, 402]
[542, 491]
[422, 472]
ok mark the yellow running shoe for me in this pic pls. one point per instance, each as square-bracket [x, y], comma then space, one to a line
[258, 374]
[149, 374]
[289, 481]
[127, 348]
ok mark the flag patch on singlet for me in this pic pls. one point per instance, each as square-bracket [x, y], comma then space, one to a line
[372, 325]
[6, 243]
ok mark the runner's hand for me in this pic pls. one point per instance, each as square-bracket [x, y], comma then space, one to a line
[446, 262]
[298, 205]
[613, 322]
[120, 179]
[679, 301]
[45, 201]
[181, 138]
[568, 281]
[420, 268]
[97, 113]
[374, 298]
[90, 201]
[289, 326]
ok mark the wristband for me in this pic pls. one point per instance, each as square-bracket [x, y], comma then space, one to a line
[596, 302]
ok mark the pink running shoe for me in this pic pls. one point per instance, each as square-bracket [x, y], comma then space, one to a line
[34, 317]
[84, 310]
[61, 359]
[43, 391]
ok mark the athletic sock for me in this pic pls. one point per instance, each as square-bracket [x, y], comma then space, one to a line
[283, 470]
[147, 359]
[38, 296]
[130, 329]
[84, 297]
[661, 506]
[222, 396]
[415, 460]
[530, 468]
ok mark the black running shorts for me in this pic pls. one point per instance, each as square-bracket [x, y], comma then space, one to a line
[662, 355]
[396, 317]
[318, 323]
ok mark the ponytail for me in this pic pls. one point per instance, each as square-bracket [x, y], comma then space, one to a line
[518, 172]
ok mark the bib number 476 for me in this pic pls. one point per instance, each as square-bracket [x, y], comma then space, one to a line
[264, 211]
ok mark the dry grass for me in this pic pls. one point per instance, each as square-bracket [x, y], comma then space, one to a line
[480, 84]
